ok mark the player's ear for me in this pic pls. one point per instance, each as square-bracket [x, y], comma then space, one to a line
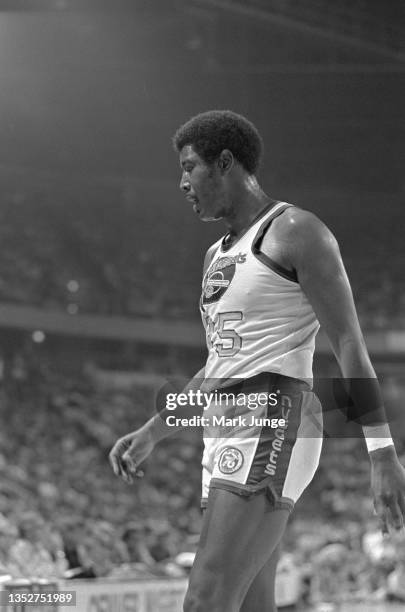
[225, 161]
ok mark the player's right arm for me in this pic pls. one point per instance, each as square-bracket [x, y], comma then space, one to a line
[132, 449]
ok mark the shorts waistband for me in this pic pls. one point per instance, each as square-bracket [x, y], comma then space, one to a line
[265, 380]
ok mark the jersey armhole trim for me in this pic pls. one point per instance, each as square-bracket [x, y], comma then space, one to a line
[275, 267]
[209, 256]
[290, 275]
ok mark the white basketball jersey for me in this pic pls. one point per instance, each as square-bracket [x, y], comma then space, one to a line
[255, 314]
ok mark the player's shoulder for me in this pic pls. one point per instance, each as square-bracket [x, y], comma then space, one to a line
[294, 218]
[299, 224]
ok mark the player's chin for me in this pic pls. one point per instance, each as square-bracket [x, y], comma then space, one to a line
[207, 217]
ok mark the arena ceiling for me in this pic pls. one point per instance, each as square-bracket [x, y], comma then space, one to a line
[96, 88]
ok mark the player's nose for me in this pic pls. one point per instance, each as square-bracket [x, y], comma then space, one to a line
[184, 185]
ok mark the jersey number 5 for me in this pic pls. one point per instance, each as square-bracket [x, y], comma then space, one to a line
[231, 341]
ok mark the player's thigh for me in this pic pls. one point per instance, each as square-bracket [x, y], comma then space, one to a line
[261, 594]
[239, 535]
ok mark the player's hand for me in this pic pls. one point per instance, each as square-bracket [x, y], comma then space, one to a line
[128, 453]
[388, 485]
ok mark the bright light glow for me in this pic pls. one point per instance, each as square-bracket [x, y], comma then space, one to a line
[38, 336]
[73, 286]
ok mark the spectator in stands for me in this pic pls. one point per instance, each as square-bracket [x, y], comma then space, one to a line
[101, 549]
[8, 535]
[33, 553]
[136, 537]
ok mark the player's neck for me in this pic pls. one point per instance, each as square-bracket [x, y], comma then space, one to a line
[247, 201]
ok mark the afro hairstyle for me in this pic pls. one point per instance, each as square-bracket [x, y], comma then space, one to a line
[211, 132]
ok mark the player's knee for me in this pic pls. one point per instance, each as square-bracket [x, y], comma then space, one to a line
[200, 598]
[196, 602]
[192, 603]
[214, 600]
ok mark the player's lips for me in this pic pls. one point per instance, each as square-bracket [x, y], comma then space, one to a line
[194, 202]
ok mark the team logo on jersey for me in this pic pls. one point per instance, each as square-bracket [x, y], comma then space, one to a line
[230, 460]
[219, 277]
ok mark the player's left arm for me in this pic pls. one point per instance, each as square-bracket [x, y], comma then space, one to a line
[314, 254]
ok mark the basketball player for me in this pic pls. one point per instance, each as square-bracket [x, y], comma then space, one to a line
[268, 284]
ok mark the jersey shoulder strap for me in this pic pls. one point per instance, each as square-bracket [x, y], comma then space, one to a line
[210, 254]
[275, 212]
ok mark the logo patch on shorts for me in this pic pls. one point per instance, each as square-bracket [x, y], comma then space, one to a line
[230, 460]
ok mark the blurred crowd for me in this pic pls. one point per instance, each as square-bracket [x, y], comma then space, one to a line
[64, 514]
[93, 255]
[334, 536]
[62, 511]
[100, 252]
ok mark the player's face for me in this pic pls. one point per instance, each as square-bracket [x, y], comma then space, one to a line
[201, 183]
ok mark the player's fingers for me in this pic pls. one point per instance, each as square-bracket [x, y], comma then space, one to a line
[125, 473]
[130, 463]
[120, 469]
[116, 455]
[383, 521]
[131, 466]
[381, 510]
[401, 504]
[396, 515]
[117, 465]
[114, 462]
